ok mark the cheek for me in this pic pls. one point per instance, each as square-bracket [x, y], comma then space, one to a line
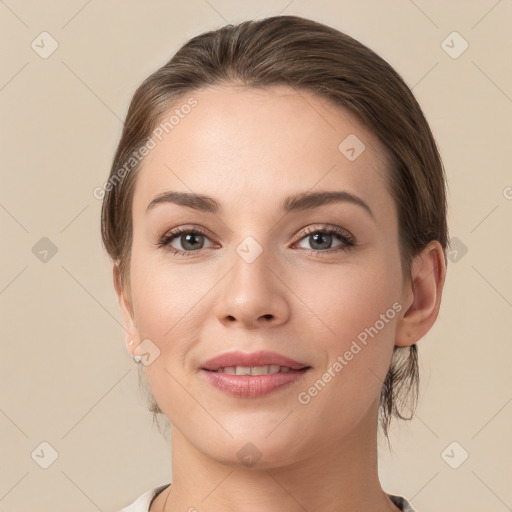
[169, 311]
[344, 300]
[164, 294]
[356, 311]
[352, 314]
[172, 302]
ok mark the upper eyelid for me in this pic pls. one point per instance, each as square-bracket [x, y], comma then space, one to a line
[305, 231]
[310, 227]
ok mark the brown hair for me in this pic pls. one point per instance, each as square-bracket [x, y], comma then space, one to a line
[309, 56]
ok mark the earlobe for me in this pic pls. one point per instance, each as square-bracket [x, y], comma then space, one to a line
[125, 304]
[423, 295]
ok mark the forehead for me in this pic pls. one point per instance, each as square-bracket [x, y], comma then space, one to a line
[242, 143]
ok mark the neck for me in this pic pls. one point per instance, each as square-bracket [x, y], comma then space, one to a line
[340, 476]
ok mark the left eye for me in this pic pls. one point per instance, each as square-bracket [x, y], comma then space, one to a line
[323, 238]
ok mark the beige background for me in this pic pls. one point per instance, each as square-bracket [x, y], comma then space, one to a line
[66, 377]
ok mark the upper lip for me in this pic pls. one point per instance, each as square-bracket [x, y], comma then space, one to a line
[261, 358]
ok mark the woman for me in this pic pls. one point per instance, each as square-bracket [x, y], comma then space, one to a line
[276, 217]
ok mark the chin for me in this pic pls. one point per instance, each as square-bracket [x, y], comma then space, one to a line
[251, 450]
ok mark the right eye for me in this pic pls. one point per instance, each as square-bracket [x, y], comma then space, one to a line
[189, 238]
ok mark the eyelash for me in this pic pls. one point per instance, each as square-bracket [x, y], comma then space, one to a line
[348, 241]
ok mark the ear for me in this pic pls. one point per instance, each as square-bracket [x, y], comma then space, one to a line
[125, 303]
[422, 295]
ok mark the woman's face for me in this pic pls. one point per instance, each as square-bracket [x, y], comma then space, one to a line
[266, 278]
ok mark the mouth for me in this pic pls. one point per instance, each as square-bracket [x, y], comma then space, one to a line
[255, 370]
[255, 363]
[243, 375]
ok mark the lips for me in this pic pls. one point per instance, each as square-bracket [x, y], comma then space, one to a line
[255, 359]
[254, 375]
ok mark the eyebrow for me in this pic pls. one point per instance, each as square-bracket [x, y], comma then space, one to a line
[302, 201]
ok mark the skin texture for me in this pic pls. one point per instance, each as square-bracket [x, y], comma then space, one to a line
[250, 148]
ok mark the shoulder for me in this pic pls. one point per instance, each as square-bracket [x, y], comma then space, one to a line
[143, 502]
[401, 503]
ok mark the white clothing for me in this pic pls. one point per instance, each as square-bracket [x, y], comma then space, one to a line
[143, 502]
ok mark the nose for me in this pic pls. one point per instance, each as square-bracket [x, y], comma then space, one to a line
[253, 294]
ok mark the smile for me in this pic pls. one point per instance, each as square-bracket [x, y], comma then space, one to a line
[253, 370]
[252, 382]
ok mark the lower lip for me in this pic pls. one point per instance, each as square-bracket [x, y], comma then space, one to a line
[252, 386]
